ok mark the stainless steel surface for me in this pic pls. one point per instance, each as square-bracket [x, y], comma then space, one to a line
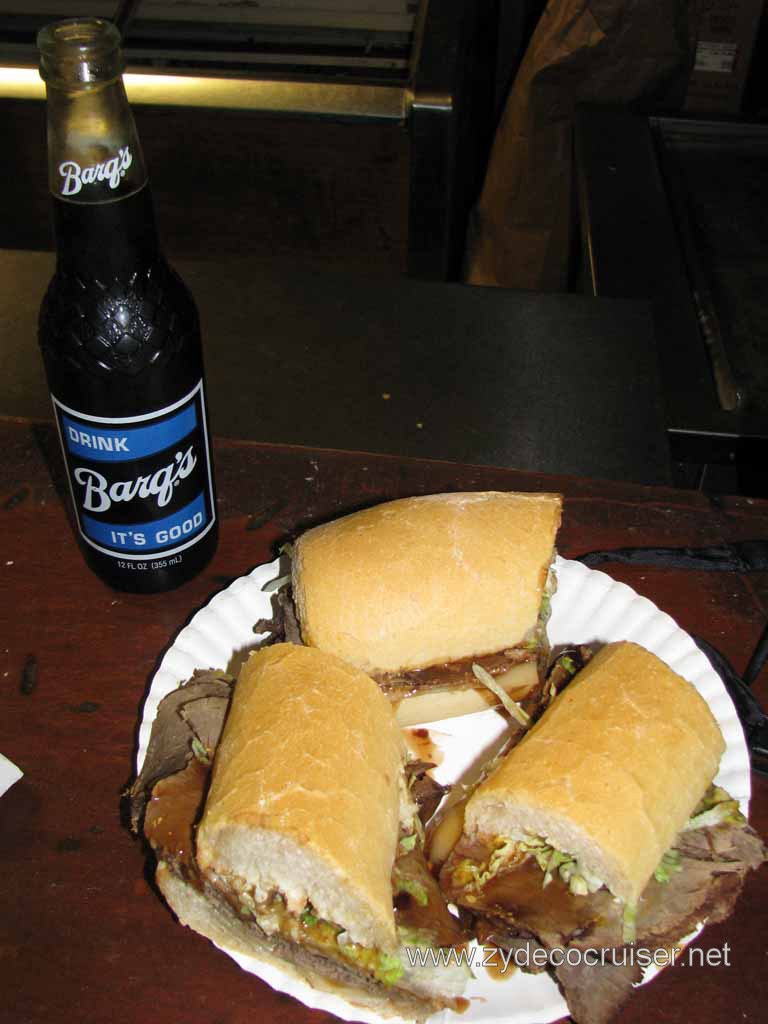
[730, 396]
[263, 95]
[705, 252]
[716, 174]
[247, 36]
[439, 88]
[450, 120]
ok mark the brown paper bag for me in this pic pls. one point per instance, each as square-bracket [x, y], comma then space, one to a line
[612, 52]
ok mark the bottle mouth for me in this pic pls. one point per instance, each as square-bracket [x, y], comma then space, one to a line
[78, 51]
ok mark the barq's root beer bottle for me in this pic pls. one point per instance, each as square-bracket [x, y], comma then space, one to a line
[119, 333]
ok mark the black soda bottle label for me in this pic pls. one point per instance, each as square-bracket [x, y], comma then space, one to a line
[141, 485]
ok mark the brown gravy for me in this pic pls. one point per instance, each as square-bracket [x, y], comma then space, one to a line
[169, 825]
[451, 674]
[494, 964]
[421, 743]
[172, 812]
[517, 895]
[433, 916]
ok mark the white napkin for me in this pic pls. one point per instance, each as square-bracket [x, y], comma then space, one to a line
[9, 774]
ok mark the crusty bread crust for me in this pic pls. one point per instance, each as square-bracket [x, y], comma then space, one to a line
[305, 792]
[426, 580]
[612, 770]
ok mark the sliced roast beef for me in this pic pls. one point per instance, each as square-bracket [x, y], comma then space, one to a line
[426, 792]
[553, 914]
[419, 903]
[491, 931]
[195, 711]
[450, 674]
[595, 993]
[169, 794]
[283, 624]
[514, 910]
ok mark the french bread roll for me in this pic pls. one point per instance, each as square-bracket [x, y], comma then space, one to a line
[611, 772]
[306, 791]
[217, 922]
[423, 581]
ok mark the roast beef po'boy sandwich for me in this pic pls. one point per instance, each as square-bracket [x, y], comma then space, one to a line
[442, 599]
[293, 835]
[602, 828]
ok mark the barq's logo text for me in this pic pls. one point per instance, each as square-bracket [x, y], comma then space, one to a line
[100, 495]
[112, 171]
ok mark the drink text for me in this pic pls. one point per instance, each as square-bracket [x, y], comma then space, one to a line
[98, 442]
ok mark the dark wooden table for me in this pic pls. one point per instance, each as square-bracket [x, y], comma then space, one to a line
[83, 935]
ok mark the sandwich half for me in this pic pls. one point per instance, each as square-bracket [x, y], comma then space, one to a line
[601, 829]
[433, 596]
[293, 834]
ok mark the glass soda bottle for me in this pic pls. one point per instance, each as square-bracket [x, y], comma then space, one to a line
[119, 333]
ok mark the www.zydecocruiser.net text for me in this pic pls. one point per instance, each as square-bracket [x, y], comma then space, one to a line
[525, 957]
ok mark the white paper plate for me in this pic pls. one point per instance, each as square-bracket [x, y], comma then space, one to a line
[588, 607]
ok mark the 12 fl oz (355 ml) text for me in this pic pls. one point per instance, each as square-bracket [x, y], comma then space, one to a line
[161, 563]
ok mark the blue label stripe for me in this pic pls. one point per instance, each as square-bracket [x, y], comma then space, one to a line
[158, 533]
[98, 444]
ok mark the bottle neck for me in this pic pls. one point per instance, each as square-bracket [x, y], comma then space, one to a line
[104, 222]
[94, 155]
[104, 240]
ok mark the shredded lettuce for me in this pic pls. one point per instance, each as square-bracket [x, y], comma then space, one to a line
[518, 713]
[536, 638]
[668, 865]
[727, 812]
[407, 843]
[413, 888]
[198, 749]
[275, 584]
[554, 861]
[716, 808]
[550, 586]
[509, 849]
[566, 662]
[389, 969]
[629, 923]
